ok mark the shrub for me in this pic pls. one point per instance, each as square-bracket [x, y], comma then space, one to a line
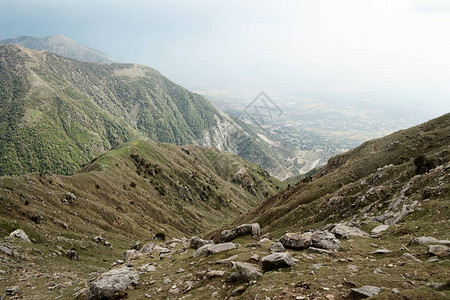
[423, 164]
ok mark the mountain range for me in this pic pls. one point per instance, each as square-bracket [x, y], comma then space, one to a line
[58, 113]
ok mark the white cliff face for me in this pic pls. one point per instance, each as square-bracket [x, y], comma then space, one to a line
[220, 137]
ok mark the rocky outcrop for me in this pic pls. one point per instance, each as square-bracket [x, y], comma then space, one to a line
[296, 240]
[276, 261]
[197, 242]
[112, 283]
[228, 235]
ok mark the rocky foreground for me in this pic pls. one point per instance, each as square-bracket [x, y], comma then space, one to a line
[337, 262]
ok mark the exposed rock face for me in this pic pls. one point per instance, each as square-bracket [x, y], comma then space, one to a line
[296, 240]
[247, 272]
[343, 231]
[365, 291]
[228, 235]
[197, 242]
[112, 282]
[277, 260]
[19, 233]
[325, 240]
[214, 248]
[439, 250]
[379, 229]
[130, 255]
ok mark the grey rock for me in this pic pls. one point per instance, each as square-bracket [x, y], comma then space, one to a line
[365, 291]
[277, 260]
[296, 240]
[377, 271]
[325, 240]
[379, 229]
[98, 239]
[19, 233]
[197, 242]
[215, 273]
[321, 251]
[411, 257]
[277, 247]
[246, 272]
[226, 261]
[11, 290]
[439, 250]
[342, 231]
[228, 235]
[254, 258]
[161, 249]
[352, 268]
[147, 268]
[147, 248]
[112, 282]
[130, 255]
[214, 249]
[427, 240]
[381, 251]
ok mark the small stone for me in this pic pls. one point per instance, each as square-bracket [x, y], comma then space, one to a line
[277, 260]
[439, 250]
[381, 251]
[379, 229]
[277, 247]
[180, 270]
[352, 268]
[365, 291]
[11, 290]
[167, 281]
[377, 271]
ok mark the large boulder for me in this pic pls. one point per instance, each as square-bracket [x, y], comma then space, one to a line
[325, 240]
[439, 250]
[214, 248]
[19, 233]
[197, 242]
[112, 283]
[228, 235]
[342, 231]
[277, 260]
[246, 272]
[296, 240]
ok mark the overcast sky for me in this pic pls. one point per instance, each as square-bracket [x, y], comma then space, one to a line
[368, 50]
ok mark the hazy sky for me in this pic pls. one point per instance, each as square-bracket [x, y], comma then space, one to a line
[395, 50]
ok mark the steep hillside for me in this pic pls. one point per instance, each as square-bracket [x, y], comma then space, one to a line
[61, 45]
[56, 114]
[375, 172]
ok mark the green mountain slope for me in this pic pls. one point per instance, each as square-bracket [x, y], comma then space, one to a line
[56, 114]
[61, 45]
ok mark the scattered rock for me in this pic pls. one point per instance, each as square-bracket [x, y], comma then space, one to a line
[321, 251]
[98, 239]
[147, 248]
[365, 291]
[381, 251]
[352, 268]
[277, 247]
[130, 255]
[180, 270]
[12, 290]
[197, 242]
[377, 271]
[254, 258]
[161, 249]
[296, 240]
[72, 254]
[226, 261]
[379, 229]
[277, 260]
[247, 272]
[427, 240]
[325, 240]
[239, 290]
[214, 248]
[411, 257]
[112, 283]
[19, 233]
[147, 268]
[439, 250]
[342, 231]
[228, 235]
[215, 273]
